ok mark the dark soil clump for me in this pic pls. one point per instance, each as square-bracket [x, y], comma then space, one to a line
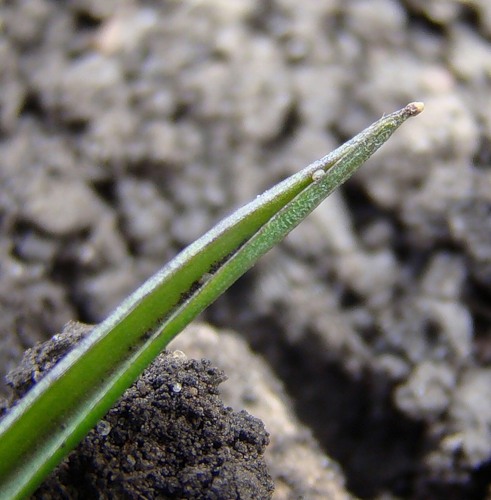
[168, 437]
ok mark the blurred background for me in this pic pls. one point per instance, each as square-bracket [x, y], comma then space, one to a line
[129, 128]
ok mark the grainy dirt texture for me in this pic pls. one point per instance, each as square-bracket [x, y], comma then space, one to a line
[168, 437]
[296, 463]
[129, 128]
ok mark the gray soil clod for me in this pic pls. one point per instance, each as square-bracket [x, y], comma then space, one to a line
[129, 128]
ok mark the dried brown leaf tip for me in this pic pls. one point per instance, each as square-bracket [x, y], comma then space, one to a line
[414, 108]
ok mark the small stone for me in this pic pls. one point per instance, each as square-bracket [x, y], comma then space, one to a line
[103, 428]
[176, 388]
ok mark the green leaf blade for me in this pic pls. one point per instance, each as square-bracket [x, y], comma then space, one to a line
[57, 413]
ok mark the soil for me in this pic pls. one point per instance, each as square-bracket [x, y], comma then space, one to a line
[168, 437]
[128, 128]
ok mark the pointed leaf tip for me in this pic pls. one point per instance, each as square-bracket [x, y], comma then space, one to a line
[414, 108]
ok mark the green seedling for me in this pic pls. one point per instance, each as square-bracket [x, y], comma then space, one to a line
[52, 418]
